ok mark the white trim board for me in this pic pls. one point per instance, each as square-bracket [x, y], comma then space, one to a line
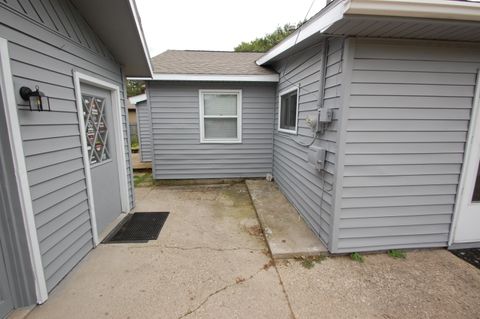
[137, 98]
[286, 91]
[274, 78]
[80, 78]
[466, 177]
[18, 155]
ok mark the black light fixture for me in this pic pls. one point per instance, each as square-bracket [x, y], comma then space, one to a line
[38, 101]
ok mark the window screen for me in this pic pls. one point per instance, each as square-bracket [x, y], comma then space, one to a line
[220, 116]
[288, 111]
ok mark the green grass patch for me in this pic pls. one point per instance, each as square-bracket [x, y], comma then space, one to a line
[356, 257]
[397, 254]
[143, 179]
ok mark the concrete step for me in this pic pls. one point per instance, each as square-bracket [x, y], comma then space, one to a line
[286, 232]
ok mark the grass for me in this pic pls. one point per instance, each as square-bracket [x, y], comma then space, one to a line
[397, 254]
[357, 257]
[309, 262]
[144, 179]
[134, 144]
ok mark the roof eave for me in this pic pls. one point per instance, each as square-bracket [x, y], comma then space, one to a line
[427, 9]
[123, 34]
[328, 16]
[274, 78]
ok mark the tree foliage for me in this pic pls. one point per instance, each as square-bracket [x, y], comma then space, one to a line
[135, 88]
[269, 40]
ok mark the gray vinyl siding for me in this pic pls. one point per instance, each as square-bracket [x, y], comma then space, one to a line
[13, 237]
[144, 131]
[177, 151]
[408, 117]
[310, 191]
[48, 41]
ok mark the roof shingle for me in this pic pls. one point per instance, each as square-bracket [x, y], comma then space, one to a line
[208, 62]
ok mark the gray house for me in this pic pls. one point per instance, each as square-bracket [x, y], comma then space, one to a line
[64, 136]
[366, 117]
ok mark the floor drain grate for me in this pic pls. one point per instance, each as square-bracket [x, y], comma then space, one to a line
[138, 228]
[471, 256]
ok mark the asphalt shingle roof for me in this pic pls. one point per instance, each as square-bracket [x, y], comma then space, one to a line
[208, 62]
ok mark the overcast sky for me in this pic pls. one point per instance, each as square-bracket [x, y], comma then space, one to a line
[215, 24]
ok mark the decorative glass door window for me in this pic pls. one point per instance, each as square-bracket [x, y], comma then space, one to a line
[95, 128]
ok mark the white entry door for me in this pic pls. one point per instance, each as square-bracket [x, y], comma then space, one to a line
[467, 219]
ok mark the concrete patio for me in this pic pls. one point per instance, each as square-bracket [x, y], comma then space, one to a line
[211, 261]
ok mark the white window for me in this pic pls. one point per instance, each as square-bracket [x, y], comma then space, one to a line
[220, 116]
[288, 111]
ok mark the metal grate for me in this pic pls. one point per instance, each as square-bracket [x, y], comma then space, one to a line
[471, 256]
[138, 228]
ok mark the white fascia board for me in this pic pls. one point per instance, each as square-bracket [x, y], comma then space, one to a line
[427, 9]
[319, 24]
[134, 10]
[138, 98]
[211, 77]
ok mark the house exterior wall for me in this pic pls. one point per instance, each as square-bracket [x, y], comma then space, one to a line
[13, 237]
[407, 119]
[48, 41]
[177, 151]
[310, 191]
[144, 131]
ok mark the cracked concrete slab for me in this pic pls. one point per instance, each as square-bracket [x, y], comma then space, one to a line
[209, 261]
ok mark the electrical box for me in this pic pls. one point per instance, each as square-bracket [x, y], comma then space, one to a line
[316, 157]
[325, 115]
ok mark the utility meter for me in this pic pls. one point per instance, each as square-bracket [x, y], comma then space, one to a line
[316, 157]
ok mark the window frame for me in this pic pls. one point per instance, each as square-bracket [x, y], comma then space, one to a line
[203, 139]
[282, 93]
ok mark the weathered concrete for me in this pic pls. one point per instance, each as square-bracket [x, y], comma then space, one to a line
[427, 284]
[287, 234]
[209, 261]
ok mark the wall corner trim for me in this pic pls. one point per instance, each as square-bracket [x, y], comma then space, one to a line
[21, 172]
[346, 67]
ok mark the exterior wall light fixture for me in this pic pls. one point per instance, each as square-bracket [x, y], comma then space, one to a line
[38, 101]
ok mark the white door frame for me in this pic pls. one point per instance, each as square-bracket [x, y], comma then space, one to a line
[16, 144]
[81, 78]
[472, 148]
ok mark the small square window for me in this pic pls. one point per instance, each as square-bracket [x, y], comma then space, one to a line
[288, 111]
[220, 116]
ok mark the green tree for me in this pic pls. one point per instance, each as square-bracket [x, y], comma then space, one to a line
[135, 87]
[269, 40]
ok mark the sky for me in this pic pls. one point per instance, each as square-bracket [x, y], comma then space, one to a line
[216, 24]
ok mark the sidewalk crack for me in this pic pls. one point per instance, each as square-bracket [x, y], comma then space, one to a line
[212, 248]
[238, 281]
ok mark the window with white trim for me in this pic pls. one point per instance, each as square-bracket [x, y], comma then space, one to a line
[288, 111]
[220, 116]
